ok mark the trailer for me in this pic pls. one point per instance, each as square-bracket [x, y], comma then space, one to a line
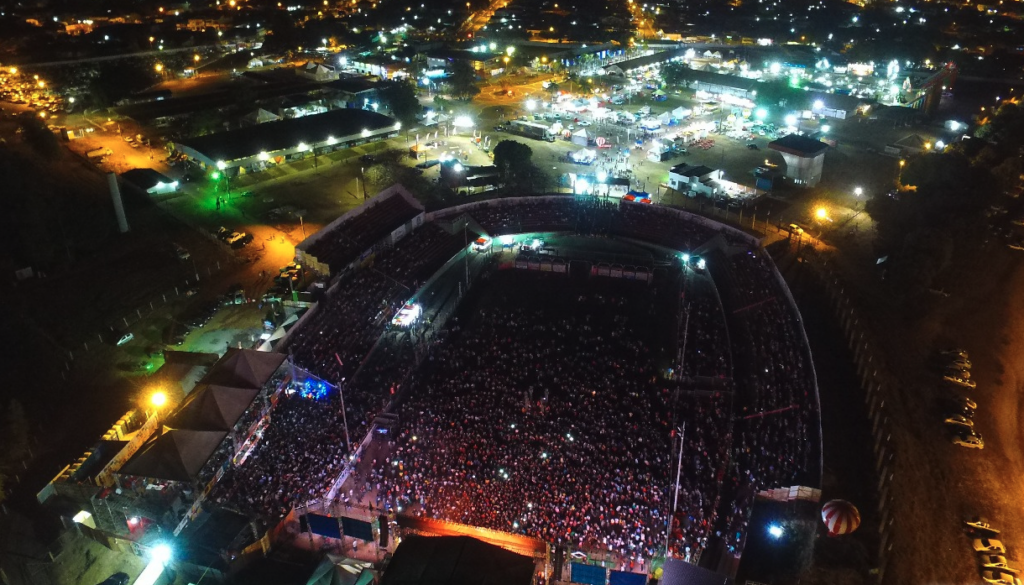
[531, 130]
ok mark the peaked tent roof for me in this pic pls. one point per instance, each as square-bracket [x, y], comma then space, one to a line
[455, 560]
[214, 408]
[261, 115]
[244, 368]
[912, 141]
[176, 455]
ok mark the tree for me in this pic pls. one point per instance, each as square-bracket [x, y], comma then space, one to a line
[675, 73]
[513, 160]
[35, 134]
[400, 98]
[463, 81]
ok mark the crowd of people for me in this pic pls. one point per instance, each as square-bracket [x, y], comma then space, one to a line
[544, 410]
[776, 403]
[343, 244]
[544, 414]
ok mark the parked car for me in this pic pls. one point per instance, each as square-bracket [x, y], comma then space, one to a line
[181, 253]
[999, 577]
[971, 440]
[996, 562]
[980, 524]
[958, 421]
[125, 338]
[988, 545]
[962, 381]
[243, 241]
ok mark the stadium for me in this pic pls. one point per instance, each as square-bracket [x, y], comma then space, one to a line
[602, 380]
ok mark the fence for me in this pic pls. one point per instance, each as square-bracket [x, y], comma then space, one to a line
[877, 394]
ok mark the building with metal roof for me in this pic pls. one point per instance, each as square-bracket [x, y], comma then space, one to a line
[256, 147]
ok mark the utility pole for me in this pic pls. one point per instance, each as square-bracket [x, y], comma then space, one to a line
[675, 499]
[344, 417]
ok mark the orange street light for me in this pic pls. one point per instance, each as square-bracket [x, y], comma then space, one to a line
[195, 58]
[821, 213]
[159, 67]
[158, 399]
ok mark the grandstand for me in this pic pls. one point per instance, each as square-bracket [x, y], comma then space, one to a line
[737, 372]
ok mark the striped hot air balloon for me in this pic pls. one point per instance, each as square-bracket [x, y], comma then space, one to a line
[840, 517]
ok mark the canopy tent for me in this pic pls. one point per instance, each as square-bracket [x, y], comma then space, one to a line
[665, 118]
[244, 368]
[214, 408]
[176, 455]
[455, 560]
[681, 113]
[260, 116]
[580, 137]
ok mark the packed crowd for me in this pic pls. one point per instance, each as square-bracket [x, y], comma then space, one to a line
[703, 332]
[343, 244]
[776, 400]
[549, 419]
[301, 453]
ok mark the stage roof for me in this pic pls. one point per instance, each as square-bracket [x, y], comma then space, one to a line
[244, 368]
[455, 560]
[213, 408]
[176, 455]
[679, 572]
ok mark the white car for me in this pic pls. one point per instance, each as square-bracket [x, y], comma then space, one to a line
[988, 545]
[125, 339]
[583, 123]
[981, 524]
[971, 440]
[959, 380]
[996, 562]
[999, 578]
[959, 421]
[960, 363]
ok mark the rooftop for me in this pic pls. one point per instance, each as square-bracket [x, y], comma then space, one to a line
[285, 134]
[798, 145]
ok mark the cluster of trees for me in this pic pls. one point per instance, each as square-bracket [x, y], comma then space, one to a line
[938, 207]
[514, 161]
[462, 81]
[14, 436]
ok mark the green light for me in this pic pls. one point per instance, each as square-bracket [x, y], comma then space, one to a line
[215, 175]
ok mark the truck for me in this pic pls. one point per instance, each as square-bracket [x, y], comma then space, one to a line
[532, 130]
[98, 153]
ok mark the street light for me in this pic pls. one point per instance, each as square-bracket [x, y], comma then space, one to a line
[775, 531]
[821, 213]
[158, 399]
[159, 67]
[858, 191]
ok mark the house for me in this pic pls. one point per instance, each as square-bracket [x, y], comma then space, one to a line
[692, 179]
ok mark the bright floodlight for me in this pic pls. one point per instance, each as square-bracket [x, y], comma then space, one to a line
[507, 240]
[825, 129]
[161, 553]
[531, 105]
[791, 120]
[821, 213]
[775, 68]
[954, 125]
[686, 257]
[940, 145]
[775, 531]
[463, 122]
[221, 165]
[602, 176]
[158, 399]
[818, 104]
[761, 114]
[398, 125]
[858, 191]
[701, 264]
[365, 133]
[458, 168]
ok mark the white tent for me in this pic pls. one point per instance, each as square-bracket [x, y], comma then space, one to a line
[681, 113]
[580, 137]
[665, 118]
